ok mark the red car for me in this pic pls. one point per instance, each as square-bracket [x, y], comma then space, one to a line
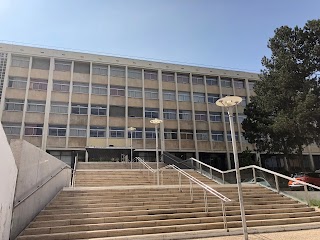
[308, 177]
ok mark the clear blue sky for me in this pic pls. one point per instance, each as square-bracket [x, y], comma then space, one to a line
[229, 34]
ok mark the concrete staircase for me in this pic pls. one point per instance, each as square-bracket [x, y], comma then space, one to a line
[133, 208]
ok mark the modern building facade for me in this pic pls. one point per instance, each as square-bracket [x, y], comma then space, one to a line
[68, 102]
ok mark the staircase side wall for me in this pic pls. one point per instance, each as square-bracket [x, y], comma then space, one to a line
[8, 176]
[35, 167]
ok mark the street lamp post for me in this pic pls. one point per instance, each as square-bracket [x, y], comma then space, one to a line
[131, 129]
[157, 121]
[229, 102]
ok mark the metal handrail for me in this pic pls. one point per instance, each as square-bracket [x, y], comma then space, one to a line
[148, 167]
[205, 188]
[254, 168]
[40, 186]
[74, 171]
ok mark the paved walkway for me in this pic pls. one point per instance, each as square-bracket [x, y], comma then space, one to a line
[313, 234]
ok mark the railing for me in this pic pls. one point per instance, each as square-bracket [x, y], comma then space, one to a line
[144, 165]
[18, 202]
[73, 178]
[270, 179]
[206, 189]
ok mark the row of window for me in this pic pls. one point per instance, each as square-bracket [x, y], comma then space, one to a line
[117, 71]
[115, 111]
[133, 92]
[114, 132]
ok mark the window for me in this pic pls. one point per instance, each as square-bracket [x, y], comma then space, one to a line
[226, 117]
[200, 116]
[116, 132]
[78, 131]
[186, 134]
[81, 67]
[134, 92]
[117, 111]
[167, 77]
[135, 112]
[14, 105]
[98, 110]
[229, 139]
[38, 84]
[170, 114]
[151, 93]
[244, 101]
[137, 134]
[62, 66]
[96, 131]
[22, 62]
[215, 117]
[212, 98]
[99, 89]
[151, 113]
[202, 135]
[251, 85]
[150, 75]
[117, 91]
[80, 87]
[169, 95]
[150, 133]
[12, 128]
[212, 81]
[239, 83]
[17, 82]
[185, 115]
[117, 72]
[184, 96]
[36, 106]
[134, 73]
[226, 83]
[217, 136]
[61, 86]
[33, 129]
[241, 117]
[197, 80]
[182, 78]
[100, 70]
[57, 130]
[40, 63]
[79, 108]
[199, 97]
[59, 107]
[170, 134]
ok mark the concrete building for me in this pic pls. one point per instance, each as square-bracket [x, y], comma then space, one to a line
[71, 103]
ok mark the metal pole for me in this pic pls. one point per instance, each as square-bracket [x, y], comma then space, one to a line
[236, 162]
[157, 157]
[131, 150]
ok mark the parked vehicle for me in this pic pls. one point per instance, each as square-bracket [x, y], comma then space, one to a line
[308, 177]
[259, 180]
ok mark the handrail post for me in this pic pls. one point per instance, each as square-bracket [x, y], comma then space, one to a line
[223, 181]
[200, 168]
[205, 201]
[191, 191]
[224, 216]
[305, 188]
[161, 177]
[179, 175]
[211, 174]
[277, 183]
[254, 175]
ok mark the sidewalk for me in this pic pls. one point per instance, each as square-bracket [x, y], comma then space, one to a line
[313, 234]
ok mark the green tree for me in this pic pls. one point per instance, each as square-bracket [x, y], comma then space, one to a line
[284, 115]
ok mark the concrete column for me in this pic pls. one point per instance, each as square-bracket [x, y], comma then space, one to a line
[193, 118]
[69, 104]
[177, 104]
[108, 108]
[208, 112]
[126, 109]
[48, 105]
[161, 133]
[144, 110]
[237, 118]
[89, 112]
[26, 101]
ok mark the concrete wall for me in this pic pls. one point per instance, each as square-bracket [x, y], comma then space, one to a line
[35, 167]
[8, 176]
